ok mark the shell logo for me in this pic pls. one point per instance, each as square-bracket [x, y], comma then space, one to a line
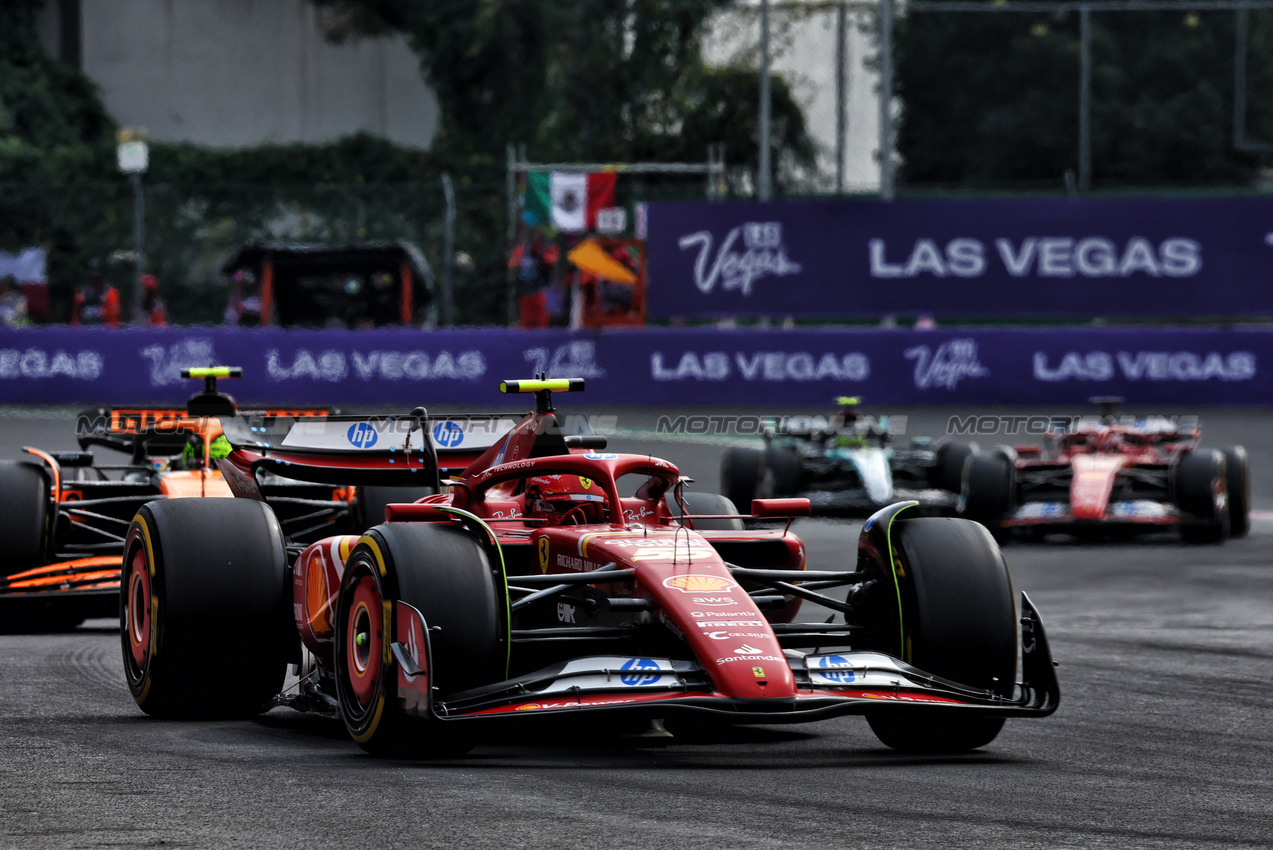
[698, 583]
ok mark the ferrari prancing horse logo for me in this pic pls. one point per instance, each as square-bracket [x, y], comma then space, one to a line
[543, 554]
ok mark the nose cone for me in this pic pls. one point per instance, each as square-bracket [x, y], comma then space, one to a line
[1092, 484]
[729, 635]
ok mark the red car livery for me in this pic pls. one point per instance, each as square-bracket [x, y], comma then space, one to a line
[1105, 476]
[551, 579]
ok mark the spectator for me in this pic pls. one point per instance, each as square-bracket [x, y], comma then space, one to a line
[534, 261]
[96, 302]
[13, 304]
[245, 300]
[384, 300]
[152, 312]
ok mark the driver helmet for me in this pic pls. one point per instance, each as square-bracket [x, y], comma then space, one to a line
[849, 407]
[554, 495]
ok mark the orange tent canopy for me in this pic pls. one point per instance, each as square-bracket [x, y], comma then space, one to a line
[590, 257]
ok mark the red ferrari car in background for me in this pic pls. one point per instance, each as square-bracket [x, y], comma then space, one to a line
[554, 581]
[1103, 476]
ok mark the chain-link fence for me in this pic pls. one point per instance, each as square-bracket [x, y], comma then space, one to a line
[191, 231]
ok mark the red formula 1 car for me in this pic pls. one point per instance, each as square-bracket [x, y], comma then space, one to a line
[1102, 476]
[556, 581]
[64, 515]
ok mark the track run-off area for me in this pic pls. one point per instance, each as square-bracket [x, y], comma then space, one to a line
[1164, 737]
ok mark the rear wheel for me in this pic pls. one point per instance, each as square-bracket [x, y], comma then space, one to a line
[959, 622]
[24, 492]
[948, 473]
[989, 488]
[1200, 475]
[372, 501]
[711, 505]
[740, 476]
[780, 475]
[205, 620]
[444, 573]
[1237, 472]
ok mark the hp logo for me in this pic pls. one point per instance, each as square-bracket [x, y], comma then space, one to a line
[362, 435]
[835, 668]
[448, 435]
[639, 678]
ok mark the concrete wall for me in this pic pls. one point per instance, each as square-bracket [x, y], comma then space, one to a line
[802, 50]
[230, 73]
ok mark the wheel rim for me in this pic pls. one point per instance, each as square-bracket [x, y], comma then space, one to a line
[363, 632]
[137, 610]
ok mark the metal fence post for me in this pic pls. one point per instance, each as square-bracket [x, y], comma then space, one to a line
[1085, 98]
[841, 49]
[510, 281]
[448, 259]
[886, 99]
[763, 172]
[139, 242]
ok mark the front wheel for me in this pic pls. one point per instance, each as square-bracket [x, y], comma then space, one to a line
[428, 594]
[1200, 483]
[958, 621]
[205, 621]
[1237, 471]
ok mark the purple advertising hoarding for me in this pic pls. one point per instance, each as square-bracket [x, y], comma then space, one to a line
[665, 366]
[1050, 258]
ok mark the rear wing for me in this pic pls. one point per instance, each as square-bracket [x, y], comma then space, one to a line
[397, 449]
[156, 430]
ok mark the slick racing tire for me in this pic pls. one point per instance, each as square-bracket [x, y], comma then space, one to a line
[1237, 472]
[989, 487]
[948, 473]
[205, 608]
[780, 472]
[740, 476]
[372, 500]
[708, 504]
[959, 622]
[24, 508]
[1198, 474]
[445, 574]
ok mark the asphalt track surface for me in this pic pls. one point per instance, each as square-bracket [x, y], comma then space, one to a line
[1163, 738]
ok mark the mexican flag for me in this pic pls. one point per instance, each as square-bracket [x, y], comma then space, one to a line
[569, 201]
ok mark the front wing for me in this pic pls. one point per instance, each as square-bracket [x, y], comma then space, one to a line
[1139, 513]
[81, 589]
[828, 685]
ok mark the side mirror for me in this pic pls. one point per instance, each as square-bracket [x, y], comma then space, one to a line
[780, 507]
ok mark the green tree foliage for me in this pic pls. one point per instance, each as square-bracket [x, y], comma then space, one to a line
[56, 149]
[991, 100]
[589, 80]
